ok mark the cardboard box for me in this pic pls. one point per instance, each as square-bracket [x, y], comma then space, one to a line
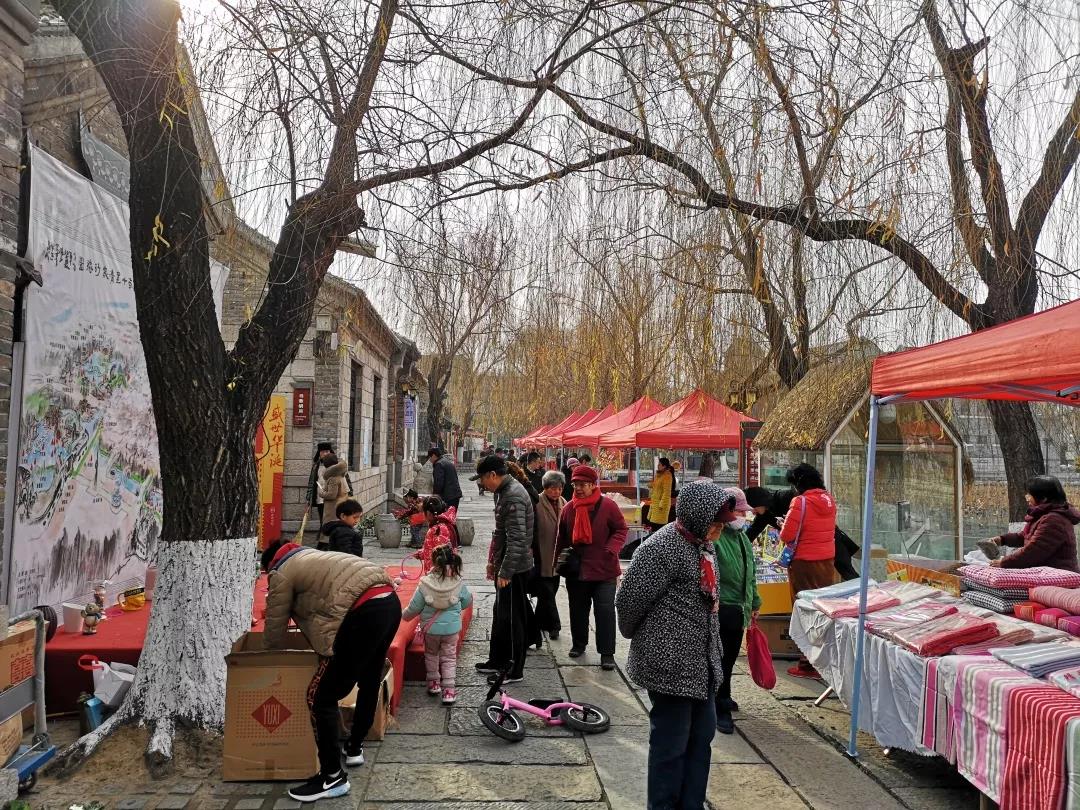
[775, 629]
[925, 571]
[383, 718]
[11, 734]
[17, 654]
[267, 725]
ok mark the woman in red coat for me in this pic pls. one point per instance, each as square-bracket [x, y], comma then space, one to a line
[1049, 533]
[810, 524]
[593, 527]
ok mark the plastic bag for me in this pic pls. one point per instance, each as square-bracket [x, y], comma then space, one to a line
[759, 657]
[111, 681]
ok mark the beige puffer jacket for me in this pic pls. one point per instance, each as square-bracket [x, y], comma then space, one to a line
[335, 489]
[317, 589]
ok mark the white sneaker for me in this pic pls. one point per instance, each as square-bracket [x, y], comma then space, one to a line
[354, 759]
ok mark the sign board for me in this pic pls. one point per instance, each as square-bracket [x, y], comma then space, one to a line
[749, 459]
[270, 465]
[410, 412]
[301, 407]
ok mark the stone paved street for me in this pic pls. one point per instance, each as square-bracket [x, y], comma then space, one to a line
[785, 755]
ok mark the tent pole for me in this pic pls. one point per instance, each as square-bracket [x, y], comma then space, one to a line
[864, 576]
[637, 474]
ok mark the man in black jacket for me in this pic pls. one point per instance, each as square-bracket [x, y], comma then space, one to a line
[341, 533]
[444, 477]
[534, 470]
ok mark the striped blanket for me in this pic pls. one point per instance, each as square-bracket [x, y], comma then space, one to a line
[1019, 577]
[1036, 749]
[1008, 638]
[886, 624]
[935, 709]
[1068, 599]
[980, 720]
[1039, 660]
[1072, 764]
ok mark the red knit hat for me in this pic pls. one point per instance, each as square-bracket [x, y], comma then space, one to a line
[585, 473]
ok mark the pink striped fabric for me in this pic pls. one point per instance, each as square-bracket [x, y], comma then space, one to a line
[1050, 616]
[1020, 577]
[935, 710]
[1068, 599]
[1034, 776]
[1012, 638]
[1070, 624]
[876, 599]
[1027, 610]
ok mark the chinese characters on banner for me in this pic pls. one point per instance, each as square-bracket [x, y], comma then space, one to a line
[301, 407]
[410, 413]
[270, 463]
[749, 464]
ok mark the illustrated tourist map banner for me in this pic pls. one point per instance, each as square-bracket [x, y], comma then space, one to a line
[87, 491]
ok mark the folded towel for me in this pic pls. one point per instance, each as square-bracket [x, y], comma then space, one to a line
[887, 624]
[837, 591]
[847, 608]
[1004, 593]
[1070, 624]
[1027, 610]
[1050, 616]
[1013, 638]
[997, 577]
[1039, 660]
[908, 592]
[940, 636]
[1067, 599]
[990, 602]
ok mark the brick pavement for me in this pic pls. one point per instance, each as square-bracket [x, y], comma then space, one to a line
[785, 753]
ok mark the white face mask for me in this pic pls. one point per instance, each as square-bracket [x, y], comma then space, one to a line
[737, 524]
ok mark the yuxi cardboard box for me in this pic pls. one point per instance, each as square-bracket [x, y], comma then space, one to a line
[17, 654]
[267, 725]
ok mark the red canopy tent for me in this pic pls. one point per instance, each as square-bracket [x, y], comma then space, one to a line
[1036, 358]
[697, 421]
[587, 436]
[540, 439]
[532, 434]
[587, 420]
[553, 438]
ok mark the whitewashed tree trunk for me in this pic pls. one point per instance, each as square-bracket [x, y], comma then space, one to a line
[202, 604]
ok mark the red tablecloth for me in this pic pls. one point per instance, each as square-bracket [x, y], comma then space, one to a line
[120, 640]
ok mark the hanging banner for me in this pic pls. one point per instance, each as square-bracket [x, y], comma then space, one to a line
[87, 491]
[270, 464]
[410, 412]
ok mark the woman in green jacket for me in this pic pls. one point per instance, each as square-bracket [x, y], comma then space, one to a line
[737, 594]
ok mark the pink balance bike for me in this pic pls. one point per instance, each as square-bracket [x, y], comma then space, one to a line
[499, 713]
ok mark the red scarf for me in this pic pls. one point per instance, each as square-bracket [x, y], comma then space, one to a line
[706, 566]
[582, 534]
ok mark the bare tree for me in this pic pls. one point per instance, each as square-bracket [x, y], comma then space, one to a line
[333, 112]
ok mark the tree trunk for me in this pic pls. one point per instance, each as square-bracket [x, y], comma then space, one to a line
[1018, 436]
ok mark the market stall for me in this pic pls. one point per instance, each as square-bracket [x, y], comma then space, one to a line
[540, 439]
[588, 436]
[555, 438]
[921, 469]
[1036, 358]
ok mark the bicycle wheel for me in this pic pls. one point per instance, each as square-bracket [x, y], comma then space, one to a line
[589, 719]
[502, 722]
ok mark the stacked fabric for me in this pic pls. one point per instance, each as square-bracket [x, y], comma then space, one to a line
[837, 591]
[1035, 738]
[876, 599]
[908, 592]
[1039, 660]
[1027, 610]
[996, 602]
[1067, 679]
[941, 636]
[1048, 617]
[1065, 598]
[995, 577]
[1010, 638]
[1070, 624]
[886, 625]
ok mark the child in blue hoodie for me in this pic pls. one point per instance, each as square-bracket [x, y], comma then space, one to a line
[440, 598]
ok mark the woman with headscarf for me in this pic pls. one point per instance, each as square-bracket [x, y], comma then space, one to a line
[667, 607]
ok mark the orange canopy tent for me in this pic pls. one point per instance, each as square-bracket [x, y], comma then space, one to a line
[695, 422]
[636, 411]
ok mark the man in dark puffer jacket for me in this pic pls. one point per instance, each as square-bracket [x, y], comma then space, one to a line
[511, 562]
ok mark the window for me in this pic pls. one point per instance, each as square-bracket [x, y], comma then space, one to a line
[356, 432]
[376, 420]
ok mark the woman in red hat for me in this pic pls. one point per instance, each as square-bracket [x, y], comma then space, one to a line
[592, 531]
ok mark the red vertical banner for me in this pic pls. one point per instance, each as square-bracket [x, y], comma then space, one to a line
[749, 459]
[270, 463]
[301, 407]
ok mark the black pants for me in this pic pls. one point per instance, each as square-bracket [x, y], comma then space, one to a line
[730, 619]
[454, 502]
[508, 628]
[359, 654]
[680, 735]
[600, 596]
[547, 610]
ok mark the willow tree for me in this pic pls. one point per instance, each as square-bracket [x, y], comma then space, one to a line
[887, 136]
[340, 104]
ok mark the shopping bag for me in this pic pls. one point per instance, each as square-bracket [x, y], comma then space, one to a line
[759, 657]
[111, 681]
